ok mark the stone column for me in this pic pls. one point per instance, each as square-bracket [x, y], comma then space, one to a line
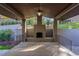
[55, 30]
[23, 30]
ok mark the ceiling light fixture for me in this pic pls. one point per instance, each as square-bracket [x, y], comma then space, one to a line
[39, 12]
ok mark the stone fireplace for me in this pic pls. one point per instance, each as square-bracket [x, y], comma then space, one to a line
[39, 29]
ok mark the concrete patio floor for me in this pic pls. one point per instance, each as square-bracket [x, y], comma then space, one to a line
[2, 52]
[36, 49]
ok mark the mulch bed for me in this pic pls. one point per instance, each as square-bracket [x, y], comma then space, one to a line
[9, 43]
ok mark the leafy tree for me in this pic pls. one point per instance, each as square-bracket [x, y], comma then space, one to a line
[47, 21]
[31, 21]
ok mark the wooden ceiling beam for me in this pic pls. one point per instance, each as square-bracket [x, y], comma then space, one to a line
[11, 10]
[66, 10]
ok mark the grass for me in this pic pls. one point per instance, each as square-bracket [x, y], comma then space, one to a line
[5, 47]
[72, 25]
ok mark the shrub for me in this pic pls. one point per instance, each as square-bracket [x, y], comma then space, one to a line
[9, 22]
[5, 35]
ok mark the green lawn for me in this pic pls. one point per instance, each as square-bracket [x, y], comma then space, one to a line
[72, 25]
[4, 47]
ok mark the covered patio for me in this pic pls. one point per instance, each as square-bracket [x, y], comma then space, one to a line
[22, 11]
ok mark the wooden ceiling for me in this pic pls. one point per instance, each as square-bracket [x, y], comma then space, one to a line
[29, 10]
[25, 10]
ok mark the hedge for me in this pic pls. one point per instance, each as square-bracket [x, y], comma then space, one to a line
[5, 35]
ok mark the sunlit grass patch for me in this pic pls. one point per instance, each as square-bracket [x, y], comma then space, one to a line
[4, 47]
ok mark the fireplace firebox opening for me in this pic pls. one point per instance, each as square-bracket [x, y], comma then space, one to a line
[39, 34]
